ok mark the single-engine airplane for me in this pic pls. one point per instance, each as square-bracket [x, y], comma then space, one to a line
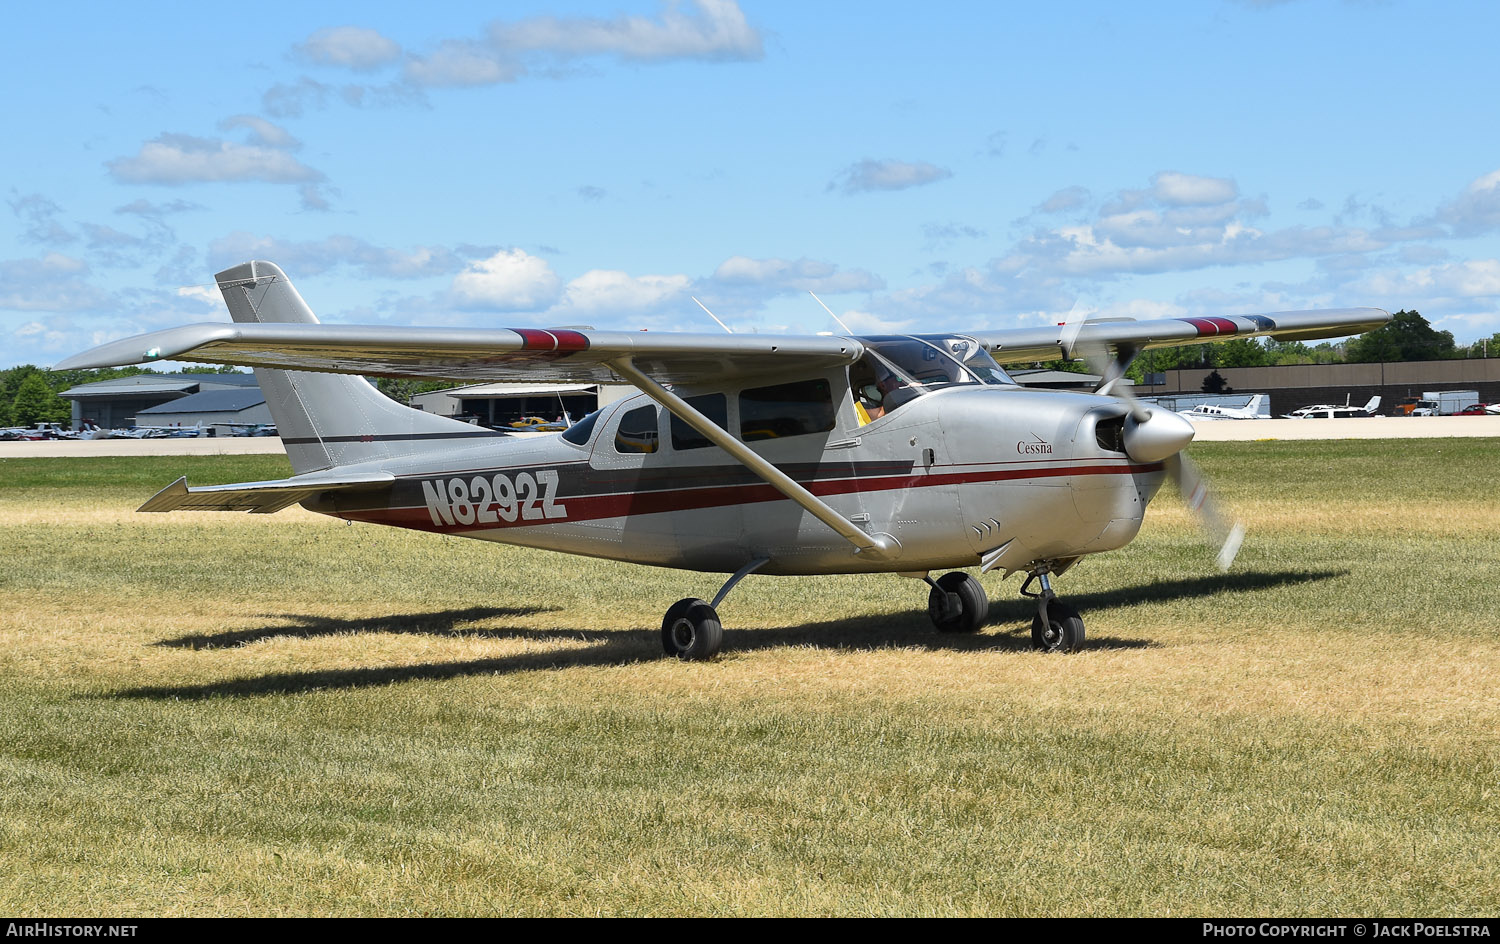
[741, 454]
[1212, 411]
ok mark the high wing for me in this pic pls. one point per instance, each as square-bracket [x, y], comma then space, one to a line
[524, 354]
[292, 339]
[1045, 343]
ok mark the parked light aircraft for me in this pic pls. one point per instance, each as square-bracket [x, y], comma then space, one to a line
[1212, 411]
[1323, 411]
[742, 453]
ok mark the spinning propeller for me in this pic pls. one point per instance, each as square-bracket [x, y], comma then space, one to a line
[1155, 434]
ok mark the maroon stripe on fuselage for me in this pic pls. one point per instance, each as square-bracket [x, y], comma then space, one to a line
[621, 504]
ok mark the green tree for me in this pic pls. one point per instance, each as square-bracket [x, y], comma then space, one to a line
[36, 402]
[1214, 383]
[402, 389]
[1406, 337]
[1486, 347]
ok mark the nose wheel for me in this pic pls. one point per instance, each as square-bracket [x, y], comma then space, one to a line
[1056, 627]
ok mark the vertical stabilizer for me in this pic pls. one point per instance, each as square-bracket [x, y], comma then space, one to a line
[327, 420]
[1373, 405]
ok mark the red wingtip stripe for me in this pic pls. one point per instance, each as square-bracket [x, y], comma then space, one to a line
[535, 339]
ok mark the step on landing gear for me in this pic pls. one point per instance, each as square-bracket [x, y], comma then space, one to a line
[1056, 627]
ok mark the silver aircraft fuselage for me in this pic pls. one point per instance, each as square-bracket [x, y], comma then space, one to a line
[951, 476]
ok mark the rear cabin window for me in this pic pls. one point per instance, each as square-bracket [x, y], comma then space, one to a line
[794, 409]
[712, 405]
[579, 432]
[637, 431]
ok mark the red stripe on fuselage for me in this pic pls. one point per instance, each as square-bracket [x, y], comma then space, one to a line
[594, 507]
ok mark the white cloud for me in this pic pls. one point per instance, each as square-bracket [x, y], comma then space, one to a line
[205, 294]
[352, 47]
[462, 63]
[603, 291]
[781, 275]
[1475, 278]
[713, 29]
[318, 256]
[40, 215]
[863, 322]
[1068, 198]
[1176, 189]
[172, 159]
[262, 132]
[869, 175]
[510, 280]
[1477, 209]
[54, 282]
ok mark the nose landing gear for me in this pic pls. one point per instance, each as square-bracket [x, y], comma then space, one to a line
[1056, 627]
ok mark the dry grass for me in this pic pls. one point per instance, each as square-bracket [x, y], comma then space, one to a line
[226, 714]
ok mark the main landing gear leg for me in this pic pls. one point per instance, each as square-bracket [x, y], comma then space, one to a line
[691, 630]
[957, 603]
[1056, 627]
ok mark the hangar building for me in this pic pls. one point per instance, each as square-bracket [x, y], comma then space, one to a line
[497, 405]
[114, 404]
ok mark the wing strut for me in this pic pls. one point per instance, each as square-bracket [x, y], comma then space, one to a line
[880, 546]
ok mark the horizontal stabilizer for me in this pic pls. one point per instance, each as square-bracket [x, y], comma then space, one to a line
[260, 498]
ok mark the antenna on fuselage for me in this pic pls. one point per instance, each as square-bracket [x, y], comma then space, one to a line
[711, 314]
[830, 312]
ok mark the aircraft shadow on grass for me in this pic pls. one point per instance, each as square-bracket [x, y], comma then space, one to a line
[297, 626]
[622, 647]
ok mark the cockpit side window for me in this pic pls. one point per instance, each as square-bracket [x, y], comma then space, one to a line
[879, 387]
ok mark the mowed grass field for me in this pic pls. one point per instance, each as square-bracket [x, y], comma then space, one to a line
[216, 714]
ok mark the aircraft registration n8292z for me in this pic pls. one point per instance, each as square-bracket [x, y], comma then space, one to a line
[741, 454]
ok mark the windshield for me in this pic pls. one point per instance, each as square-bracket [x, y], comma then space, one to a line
[894, 371]
[940, 362]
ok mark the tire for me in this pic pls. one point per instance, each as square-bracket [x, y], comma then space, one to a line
[1064, 632]
[691, 631]
[973, 604]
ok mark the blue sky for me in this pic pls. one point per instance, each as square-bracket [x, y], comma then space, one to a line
[943, 166]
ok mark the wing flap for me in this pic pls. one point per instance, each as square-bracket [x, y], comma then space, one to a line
[259, 498]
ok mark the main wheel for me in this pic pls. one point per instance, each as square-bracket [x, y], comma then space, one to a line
[691, 631]
[958, 603]
[1063, 632]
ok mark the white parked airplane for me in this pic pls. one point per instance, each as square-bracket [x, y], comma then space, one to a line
[1210, 411]
[1324, 411]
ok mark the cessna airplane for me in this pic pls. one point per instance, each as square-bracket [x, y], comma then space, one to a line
[742, 453]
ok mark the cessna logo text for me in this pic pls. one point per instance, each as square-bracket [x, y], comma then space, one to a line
[481, 500]
[1038, 448]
